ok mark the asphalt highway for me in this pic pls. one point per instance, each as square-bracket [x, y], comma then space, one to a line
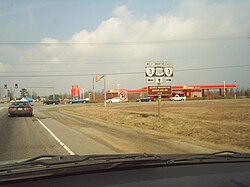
[51, 132]
[26, 137]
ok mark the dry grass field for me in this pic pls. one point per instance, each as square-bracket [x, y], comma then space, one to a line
[218, 124]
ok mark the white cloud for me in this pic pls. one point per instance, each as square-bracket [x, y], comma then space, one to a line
[55, 60]
[49, 40]
[192, 19]
[122, 12]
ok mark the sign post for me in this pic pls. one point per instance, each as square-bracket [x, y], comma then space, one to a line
[159, 72]
[159, 103]
[159, 91]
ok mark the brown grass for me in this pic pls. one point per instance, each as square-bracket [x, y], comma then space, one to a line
[220, 124]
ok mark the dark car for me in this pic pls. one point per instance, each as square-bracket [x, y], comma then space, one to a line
[20, 108]
[144, 99]
[51, 102]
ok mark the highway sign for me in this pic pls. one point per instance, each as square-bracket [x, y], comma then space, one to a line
[159, 72]
[150, 79]
[169, 72]
[159, 80]
[159, 90]
[123, 95]
[150, 71]
[169, 79]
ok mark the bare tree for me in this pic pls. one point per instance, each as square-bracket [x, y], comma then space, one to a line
[34, 95]
[24, 93]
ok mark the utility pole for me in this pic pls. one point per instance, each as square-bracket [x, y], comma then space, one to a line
[224, 83]
[98, 78]
[83, 93]
[105, 96]
[54, 96]
[235, 96]
[118, 87]
[94, 88]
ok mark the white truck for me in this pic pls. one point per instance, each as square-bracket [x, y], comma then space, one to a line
[178, 98]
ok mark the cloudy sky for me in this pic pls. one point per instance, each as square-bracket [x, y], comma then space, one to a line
[51, 43]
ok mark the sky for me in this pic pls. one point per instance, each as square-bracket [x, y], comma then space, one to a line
[51, 41]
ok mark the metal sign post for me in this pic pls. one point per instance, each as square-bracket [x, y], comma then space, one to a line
[160, 73]
[159, 91]
[159, 103]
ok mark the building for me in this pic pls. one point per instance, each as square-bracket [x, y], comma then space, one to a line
[189, 91]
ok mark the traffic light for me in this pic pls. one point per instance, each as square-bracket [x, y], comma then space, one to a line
[16, 85]
[5, 86]
[97, 78]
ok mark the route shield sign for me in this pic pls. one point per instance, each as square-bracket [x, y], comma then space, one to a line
[159, 72]
[168, 71]
[150, 71]
[123, 95]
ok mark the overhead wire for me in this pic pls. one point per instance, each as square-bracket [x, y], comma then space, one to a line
[121, 42]
[124, 73]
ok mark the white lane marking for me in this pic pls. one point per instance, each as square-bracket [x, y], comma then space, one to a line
[57, 139]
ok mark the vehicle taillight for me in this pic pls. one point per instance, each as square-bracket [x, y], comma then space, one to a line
[28, 108]
[12, 108]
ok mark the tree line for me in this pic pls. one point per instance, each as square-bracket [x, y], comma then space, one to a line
[99, 96]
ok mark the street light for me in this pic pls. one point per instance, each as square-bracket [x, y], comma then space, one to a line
[235, 96]
[224, 83]
[118, 87]
[83, 92]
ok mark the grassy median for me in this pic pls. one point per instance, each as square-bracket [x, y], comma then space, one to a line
[223, 125]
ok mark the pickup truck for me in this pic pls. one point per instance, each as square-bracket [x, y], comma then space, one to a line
[84, 100]
[178, 98]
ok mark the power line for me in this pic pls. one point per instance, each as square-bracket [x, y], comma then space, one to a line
[120, 42]
[86, 70]
[124, 73]
[32, 62]
[218, 67]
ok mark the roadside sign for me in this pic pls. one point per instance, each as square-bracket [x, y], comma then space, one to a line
[123, 95]
[150, 79]
[150, 71]
[169, 71]
[159, 90]
[169, 79]
[159, 80]
[159, 72]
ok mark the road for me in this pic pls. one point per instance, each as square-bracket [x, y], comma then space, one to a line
[51, 132]
[25, 137]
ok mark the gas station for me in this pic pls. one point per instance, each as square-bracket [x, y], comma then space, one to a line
[189, 91]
